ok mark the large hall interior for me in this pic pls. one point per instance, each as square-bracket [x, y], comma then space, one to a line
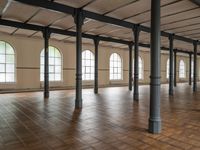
[99, 75]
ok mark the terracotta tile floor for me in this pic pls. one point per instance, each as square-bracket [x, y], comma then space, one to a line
[109, 120]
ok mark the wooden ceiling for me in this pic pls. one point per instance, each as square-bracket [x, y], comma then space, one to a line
[181, 17]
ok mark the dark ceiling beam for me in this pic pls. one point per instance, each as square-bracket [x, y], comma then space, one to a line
[72, 33]
[70, 10]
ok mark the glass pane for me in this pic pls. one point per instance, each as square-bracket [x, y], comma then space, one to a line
[57, 53]
[58, 69]
[2, 47]
[2, 58]
[42, 68]
[42, 60]
[2, 77]
[42, 53]
[51, 69]
[87, 69]
[51, 77]
[51, 61]
[57, 61]
[9, 49]
[57, 77]
[41, 77]
[51, 51]
[2, 67]
[10, 68]
[10, 77]
[10, 59]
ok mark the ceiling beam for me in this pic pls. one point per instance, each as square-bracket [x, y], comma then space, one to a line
[72, 33]
[70, 10]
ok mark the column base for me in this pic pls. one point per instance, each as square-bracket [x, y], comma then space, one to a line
[46, 95]
[136, 97]
[155, 126]
[78, 104]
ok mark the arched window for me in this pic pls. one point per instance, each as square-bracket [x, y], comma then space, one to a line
[55, 64]
[115, 67]
[7, 63]
[182, 69]
[140, 68]
[87, 65]
[167, 69]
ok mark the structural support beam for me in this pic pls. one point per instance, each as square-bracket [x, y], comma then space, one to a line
[195, 67]
[175, 52]
[46, 35]
[155, 119]
[96, 55]
[136, 63]
[130, 66]
[190, 69]
[171, 71]
[78, 18]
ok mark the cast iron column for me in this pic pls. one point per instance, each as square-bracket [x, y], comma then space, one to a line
[130, 66]
[171, 71]
[190, 68]
[46, 35]
[96, 44]
[175, 68]
[195, 67]
[155, 119]
[78, 18]
[136, 59]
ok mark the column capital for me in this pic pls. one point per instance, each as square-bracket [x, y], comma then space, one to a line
[46, 32]
[171, 36]
[96, 40]
[78, 15]
[136, 28]
[195, 42]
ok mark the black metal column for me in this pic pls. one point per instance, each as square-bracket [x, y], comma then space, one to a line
[130, 66]
[171, 71]
[46, 35]
[155, 119]
[195, 67]
[96, 44]
[175, 68]
[136, 63]
[78, 18]
[190, 68]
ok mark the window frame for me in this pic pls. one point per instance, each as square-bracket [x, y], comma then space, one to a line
[184, 65]
[84, 66]
[121, 68]
[61, 65]
[14, 63]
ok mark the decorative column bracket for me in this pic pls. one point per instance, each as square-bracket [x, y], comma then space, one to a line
[136, 32]
[79, 20]
[96, 45]
[171, 73]
[46, 36]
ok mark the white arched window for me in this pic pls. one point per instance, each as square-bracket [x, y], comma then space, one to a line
[55, 64]
[182, 69]
[167, 69]
[115, 67]
[140, 68]
[7, 63]
[87, 65]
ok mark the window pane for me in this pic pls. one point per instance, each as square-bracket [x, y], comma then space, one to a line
[51, 77]
[57, 61]
[2, 68]
[9, 49]
[57, 53]
[87, 65]
[2, 47]
[10, 77]
[57, 77]
[51, 69]
[2, 77]
[10, 68]
[51, 52]
[10, 59]
[2, 58]
[51, 61]
[57, 69]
